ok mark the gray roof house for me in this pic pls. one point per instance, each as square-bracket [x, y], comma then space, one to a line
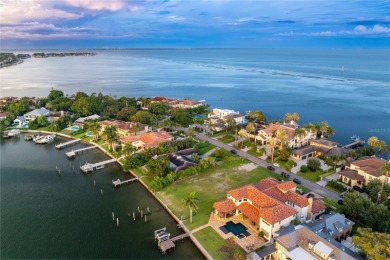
[30, 116]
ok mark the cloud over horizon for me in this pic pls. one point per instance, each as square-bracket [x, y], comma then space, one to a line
[192, 23]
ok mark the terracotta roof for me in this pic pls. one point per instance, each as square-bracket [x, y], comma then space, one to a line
[162, 99]
[297, 199]
[115, 123]
[226, 205]
[317, 206]
[323, 142]
[267, 183]
[275, 193]
[273, 127]
[276, 214]
[370, 165]
[187, 102]
[250, 211]
[257, 197]
[151, 139]
[286, 186]
[351, 174]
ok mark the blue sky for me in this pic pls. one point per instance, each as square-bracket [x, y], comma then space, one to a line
[194, 23]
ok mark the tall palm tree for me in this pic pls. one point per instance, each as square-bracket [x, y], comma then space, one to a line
[94, 127]
[281, 137]
[373, 141]
[191, 202]
[311, 127]
[385, 171]
[300, 133]
[250, 128]
[111, 136]
[128, 148]
[272, 142]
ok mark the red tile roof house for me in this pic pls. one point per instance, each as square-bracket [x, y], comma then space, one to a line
[147, 140]
[269, 205]
[125, 128]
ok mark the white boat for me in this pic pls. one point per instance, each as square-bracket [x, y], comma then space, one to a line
[355, 138]
[38, 137]
[14, 132]
[46, 139]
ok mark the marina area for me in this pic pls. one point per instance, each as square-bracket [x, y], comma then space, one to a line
[45, 214]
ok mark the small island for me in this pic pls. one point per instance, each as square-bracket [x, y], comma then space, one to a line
[10, 59]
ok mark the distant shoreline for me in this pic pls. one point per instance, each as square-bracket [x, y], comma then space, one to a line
[12, 59]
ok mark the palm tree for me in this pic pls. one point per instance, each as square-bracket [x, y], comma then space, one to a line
[381, 146]
[385, 171]
[373, 141]
[300, 133]
[111, 136]
[291, 117]
[250, 128]
[191, 202]
[128, 148]
[311, 127]
[281, 137]
[272, 142]
[94, 127]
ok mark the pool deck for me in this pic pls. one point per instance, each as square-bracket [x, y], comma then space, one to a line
[253, 240]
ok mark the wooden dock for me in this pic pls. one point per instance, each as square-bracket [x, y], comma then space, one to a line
[73, 153]
[119, 182]
[62, 145]
[164, 242]
[89, 167]
[355, 144]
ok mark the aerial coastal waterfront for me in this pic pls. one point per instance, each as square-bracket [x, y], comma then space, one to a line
[173, 147]
[208, 129]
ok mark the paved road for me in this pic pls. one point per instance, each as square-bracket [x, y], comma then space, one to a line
[310, 185]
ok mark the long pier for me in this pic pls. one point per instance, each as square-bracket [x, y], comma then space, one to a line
[73, 153]
[119, 182]
[355, 144]
[62, 145]
[89, 167]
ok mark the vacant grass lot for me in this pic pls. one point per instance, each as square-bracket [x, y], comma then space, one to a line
[311, 176]
[217, 247]
[211, 186]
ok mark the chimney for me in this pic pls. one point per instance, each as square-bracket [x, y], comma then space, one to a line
[309, 215]
[292, 122]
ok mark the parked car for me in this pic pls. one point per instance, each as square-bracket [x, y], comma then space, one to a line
[310, 195]
[297, 181]
[233, 151]
[270, 168]
[276, 164]
[285, 174]
[357, 188]
[340, 202]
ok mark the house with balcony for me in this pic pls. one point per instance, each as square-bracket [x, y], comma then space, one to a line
[363, 171]
[268, 206]
[265, 134]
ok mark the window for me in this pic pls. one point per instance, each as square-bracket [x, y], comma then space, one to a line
[345, 179]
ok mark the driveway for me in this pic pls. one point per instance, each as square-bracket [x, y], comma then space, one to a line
[260, 162]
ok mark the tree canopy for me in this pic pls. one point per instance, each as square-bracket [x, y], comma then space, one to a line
[374, 245]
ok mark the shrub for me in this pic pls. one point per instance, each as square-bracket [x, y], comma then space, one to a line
[304, 168]
[261, 233]
[349, 182]
[313, 164]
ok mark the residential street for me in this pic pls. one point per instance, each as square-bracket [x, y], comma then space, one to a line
[310, 185]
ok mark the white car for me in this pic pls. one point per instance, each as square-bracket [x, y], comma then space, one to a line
[276, 164]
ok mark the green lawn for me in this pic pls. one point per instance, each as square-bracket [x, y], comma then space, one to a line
[211, 186]
[333, 204]
[227, 139]
[217, 247]
[204, 147]
[311, 176]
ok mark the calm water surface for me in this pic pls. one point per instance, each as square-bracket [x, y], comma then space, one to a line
[44, 215]
[276, 81]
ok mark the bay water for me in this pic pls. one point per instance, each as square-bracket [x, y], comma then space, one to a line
[49, 216]
[349, 88]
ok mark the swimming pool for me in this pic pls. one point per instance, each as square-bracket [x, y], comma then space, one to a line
[74, 128]
[88, 134]
[239, 230]
[202, 116]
